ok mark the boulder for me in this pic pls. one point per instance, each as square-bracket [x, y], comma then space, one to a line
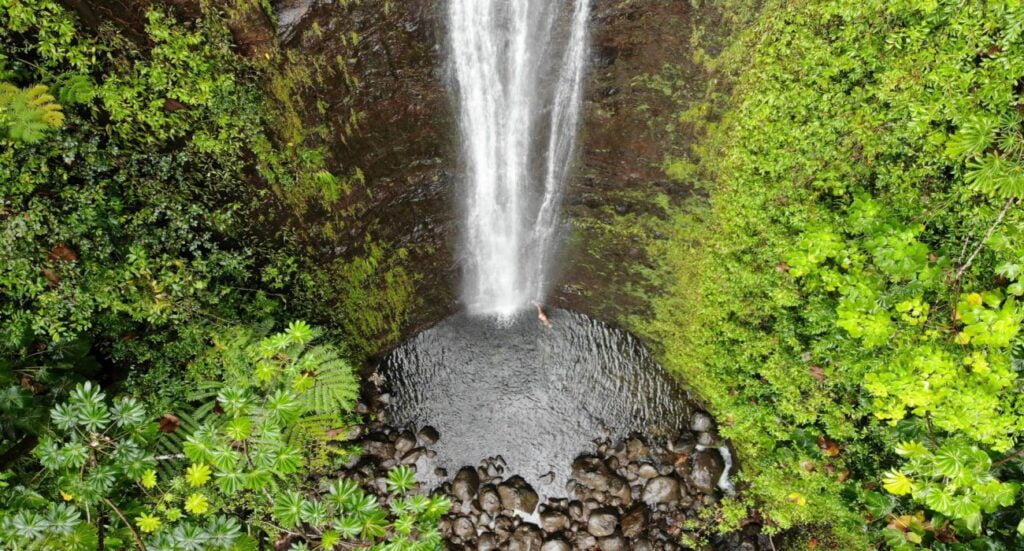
[466, 484]
[706, 469]
[661, 489]
[517, 495]
[602, 522]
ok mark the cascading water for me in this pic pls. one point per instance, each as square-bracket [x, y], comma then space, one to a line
[519, 80]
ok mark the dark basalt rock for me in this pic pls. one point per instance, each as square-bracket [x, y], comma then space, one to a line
[634, 522]
[517, 495]
[490, 500]
[526, 538]
[466, 484]
[592, 472]
[706, 470]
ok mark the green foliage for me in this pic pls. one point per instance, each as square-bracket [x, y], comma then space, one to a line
[235, 469]
[26, 115]
[855, 273]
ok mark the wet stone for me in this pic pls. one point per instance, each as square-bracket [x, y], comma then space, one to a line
[701, 422]
[486, 542]
[554, 521]
[647, 471]
[463, 527]
[405, 442]
[634, 522]
[517, 495]
[602, 523]
[707, 468]
[428, 435]
[555, 545]
[636, 449]
[592, 472]
[489, 499]
[662, 489]
[612, 543]
[643, 545]
[466, 484]
[527, 537]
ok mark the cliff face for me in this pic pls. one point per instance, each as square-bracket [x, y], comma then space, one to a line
[363, 83]
[406, 144]
[626, 137]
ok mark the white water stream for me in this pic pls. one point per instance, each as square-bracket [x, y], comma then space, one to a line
[518, 67]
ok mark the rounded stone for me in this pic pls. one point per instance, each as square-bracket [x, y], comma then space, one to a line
[706, 470]
[612, 543]
[466, 484]
[489, 499]
[517, 495]
[463, 527]
[553, 521]
[602, 523]
[662, 489]
[701, 422]
[428, 435]
[555, 545]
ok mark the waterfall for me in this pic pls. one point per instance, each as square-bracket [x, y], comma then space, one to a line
[518, 67]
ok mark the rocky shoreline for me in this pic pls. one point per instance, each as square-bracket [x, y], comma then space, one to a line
[630, 494]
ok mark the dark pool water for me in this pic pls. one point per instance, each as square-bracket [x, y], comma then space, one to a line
[537, 396]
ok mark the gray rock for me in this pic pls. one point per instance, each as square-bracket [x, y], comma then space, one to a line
[709, 439]
[486, 542]
[463, 527]
[585, 541]
[647, 471]
[527, 537]
[428, 435]
[553, 521]
[701, 422]
[555, 545]
[612, 543]
[619, 488]
[706, 469]
[517, 495]
[405, 442]
[642, 545]
[576, 511]
[412, 456]
[592, 472]
[466, 484]
[503, 526]
[378, 449]
[489, 499]
[602, 522]
[662, 489]
[636, 449]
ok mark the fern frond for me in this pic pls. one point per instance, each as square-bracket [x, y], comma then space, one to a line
[336, 387]
[171, 443]
[28, 114]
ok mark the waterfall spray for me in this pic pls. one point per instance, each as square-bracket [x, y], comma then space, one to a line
[519, 67]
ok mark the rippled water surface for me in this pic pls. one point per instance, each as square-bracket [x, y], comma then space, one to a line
[535, 395]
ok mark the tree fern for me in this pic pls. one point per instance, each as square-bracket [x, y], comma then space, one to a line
[336, 387]
[27, 114]
[170, 444]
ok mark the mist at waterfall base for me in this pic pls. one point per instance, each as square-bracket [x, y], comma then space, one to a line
[518, 69]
